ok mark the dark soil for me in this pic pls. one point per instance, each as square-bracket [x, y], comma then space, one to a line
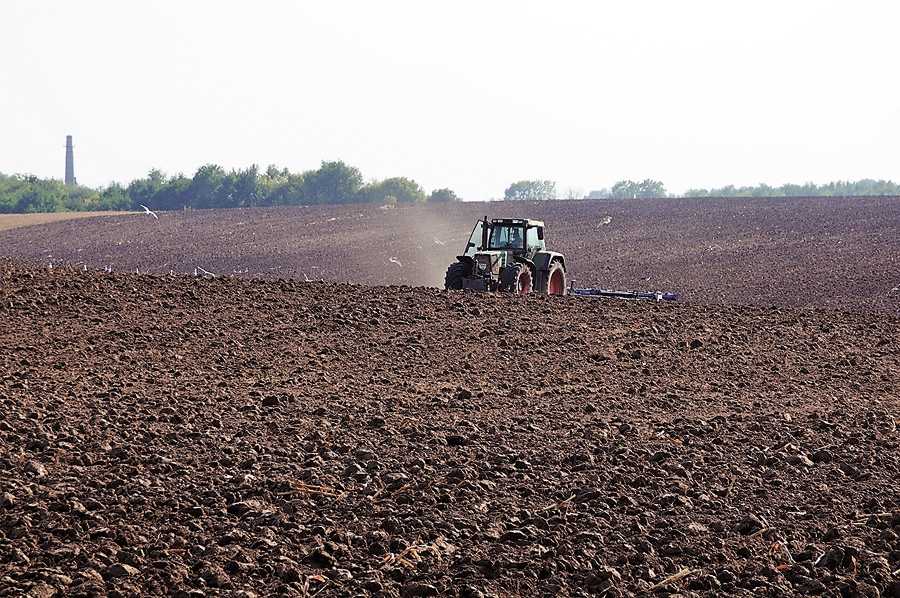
[195, 436]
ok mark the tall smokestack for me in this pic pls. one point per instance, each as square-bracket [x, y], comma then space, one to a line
[70, 162]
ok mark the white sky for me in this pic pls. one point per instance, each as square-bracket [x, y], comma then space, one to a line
[470, 95]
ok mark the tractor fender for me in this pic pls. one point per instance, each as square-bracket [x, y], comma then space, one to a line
[543, 259]
[466, 259]
[524, 260]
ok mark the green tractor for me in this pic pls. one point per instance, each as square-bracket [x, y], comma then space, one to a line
[509, 255]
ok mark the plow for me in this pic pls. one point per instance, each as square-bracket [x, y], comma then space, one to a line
[655, 295]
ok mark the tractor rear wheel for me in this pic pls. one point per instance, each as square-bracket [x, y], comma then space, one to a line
[455, 274]
[553, 281]
[516, 278]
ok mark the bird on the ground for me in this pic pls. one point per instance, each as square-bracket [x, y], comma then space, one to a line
[149, 211]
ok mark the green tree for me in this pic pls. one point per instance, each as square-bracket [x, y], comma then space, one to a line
[726, 191]
[76, 198]
[174, 194]
[205, 190]
[530, 191]
[284, 189]
[650, 188]
[442, 195]
[403, 190]
[245, 188]
[42, 195]
[790, 190]
[333, 182]
[764, 190]
[642, 190]
[11, 189]
[114, 197]
[143, 191]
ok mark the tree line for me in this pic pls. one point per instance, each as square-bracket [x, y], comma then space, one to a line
[862, 187]
[650, 188]
[214, 187]
[337, 183]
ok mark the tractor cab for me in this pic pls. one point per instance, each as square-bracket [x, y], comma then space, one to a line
[520, 237]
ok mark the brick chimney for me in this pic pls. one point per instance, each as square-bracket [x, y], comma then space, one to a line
[70, 162]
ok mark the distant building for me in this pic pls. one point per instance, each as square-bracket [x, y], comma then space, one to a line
[70, 162]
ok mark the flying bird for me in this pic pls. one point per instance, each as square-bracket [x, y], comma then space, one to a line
[149, 211]
[606, 220]
[438, 241]
[396, 261]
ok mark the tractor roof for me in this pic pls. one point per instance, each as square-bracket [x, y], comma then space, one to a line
[517, 222]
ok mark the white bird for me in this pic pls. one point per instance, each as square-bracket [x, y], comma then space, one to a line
[206, 272]
[395, 261]
[149, 211]
[438, 241]
[84, 268]
[606, 220]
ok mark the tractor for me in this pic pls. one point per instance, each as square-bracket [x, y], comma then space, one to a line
[509, 255]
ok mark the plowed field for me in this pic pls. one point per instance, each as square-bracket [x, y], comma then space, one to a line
[164, 434]
[839, 253]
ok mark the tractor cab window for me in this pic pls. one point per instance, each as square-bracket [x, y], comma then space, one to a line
[507, 237]
[476, 240]
[534, 237]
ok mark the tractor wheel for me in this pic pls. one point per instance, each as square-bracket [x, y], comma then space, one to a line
[516, 278]
[553, 281]
[455, 274]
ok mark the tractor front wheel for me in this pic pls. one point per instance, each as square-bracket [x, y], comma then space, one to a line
[455, 274]
[553, 281]
[516, 278]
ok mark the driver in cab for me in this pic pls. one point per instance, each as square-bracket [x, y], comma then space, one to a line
[515, 239]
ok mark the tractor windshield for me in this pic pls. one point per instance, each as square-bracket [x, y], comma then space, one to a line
[507, 237]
